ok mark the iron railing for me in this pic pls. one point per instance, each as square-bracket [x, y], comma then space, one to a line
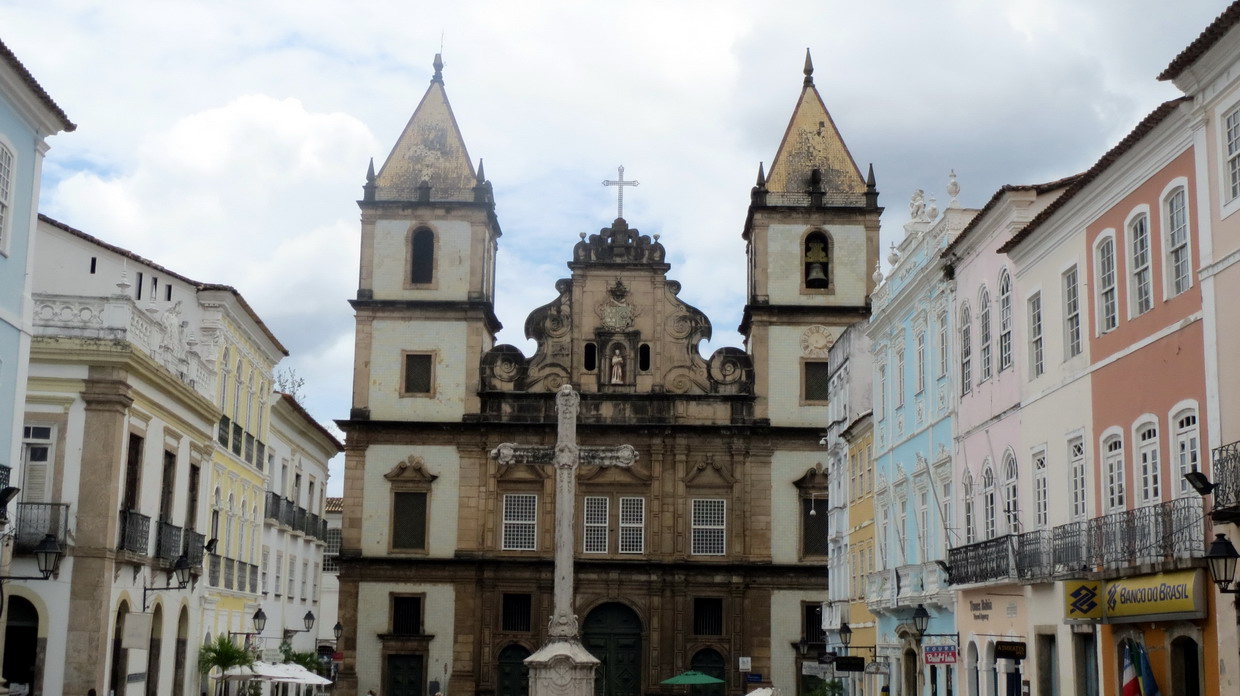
[1070, 548]
[982, 561]
[36, 520]
[213, 571]
[1226, 467]
[287, 512]
[228, 573]
[135, 532]
[299, 519]
[5, 473]
[194, 547]
[167, 541]
[1033, 554]
[273, 505]
[254, 579]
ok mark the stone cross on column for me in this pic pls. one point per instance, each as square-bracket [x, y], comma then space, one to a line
[567, 455]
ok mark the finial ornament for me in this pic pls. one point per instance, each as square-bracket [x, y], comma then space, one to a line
[894, 257]
[953, 189]
[932, 209]
[620, 183]
[438, 65]
[809, 69]
[878, 273]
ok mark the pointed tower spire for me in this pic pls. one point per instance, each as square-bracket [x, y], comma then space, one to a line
[482, 177]
[430, 153]
[757, 195]
[368, 190]
[761, 183]
[871, 189]
[809, 70]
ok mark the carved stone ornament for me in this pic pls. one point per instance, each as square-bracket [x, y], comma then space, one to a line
[816, 341]
[708, 472]
[411, 470]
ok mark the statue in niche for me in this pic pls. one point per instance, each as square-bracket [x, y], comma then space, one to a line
[617, 367]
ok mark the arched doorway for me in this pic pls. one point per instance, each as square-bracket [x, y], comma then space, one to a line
[970, 666]
[908, 669]
[21, 642]
[116, 680]
[613, 634]
[514, 676]
[153, 652]
[708, 661]
[1185, 667]
[182, 654]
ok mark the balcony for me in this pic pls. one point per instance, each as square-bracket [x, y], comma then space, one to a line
[299, 520]
[5, 473]
[273, 505]
[982, 561]
[288, 510]
[167, 541]
[1034, 557]
[135, 533]
[213, 571]
[1070, 549]
[228, 573]
[194, 547]
[1226, 467]
[254, 579]
[37, 520]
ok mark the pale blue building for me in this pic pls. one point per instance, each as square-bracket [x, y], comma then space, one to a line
[911, 332]
[27, 117]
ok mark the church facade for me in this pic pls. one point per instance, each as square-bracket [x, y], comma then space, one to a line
[708, 549]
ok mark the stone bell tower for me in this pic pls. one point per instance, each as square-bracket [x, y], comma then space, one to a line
[812, 241]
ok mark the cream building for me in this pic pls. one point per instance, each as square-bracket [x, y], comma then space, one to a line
[703, 553]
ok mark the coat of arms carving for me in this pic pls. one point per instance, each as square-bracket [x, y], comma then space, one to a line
[617, 312]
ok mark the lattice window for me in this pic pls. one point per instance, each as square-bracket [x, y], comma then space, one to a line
[709, 527]
[520, 522]
[1076, 455]
[595, 537]
[817, 379]
[632, 525]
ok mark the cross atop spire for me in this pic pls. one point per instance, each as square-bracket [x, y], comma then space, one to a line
[620, 184]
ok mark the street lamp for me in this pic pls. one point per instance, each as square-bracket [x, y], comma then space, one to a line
[1200, 482]
[308, 620]
[48, 554]
[921, 619]
[1222, 558]
[180, 570]
[260, 620]
[845, 634]
[338, 630]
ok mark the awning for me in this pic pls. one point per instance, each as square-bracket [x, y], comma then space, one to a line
[286, 672]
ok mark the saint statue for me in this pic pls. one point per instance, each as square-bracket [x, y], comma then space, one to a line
[617, 367]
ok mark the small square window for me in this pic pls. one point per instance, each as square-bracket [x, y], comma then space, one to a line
[517, 612]
[816, 379]
[520, 522]
[418, 377]
[707, 616]
[407, 616]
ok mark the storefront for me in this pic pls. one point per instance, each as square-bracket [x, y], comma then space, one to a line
[992, 622]
[1151, 627]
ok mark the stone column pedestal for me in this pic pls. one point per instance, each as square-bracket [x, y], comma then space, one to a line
[562, 668]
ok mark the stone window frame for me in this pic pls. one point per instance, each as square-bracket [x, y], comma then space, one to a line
[812, 486]
[404, 365]
[831, 284]
[805, 379]
[8, 183]
[694, 526]
[410, 475]
[391, 622]
[406, 274]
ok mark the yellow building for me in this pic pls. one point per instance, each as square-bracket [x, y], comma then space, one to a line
[860, 438]
[246, 354]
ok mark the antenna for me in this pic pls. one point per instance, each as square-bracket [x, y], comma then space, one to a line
[441, 40]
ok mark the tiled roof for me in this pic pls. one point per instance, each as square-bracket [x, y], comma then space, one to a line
[334, 505]
[35, 87]
[994, 200]
[291, 401]
[1212, 35]
[197, 285]
[1130, 141]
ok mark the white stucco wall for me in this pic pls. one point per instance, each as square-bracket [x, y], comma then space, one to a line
[442, 338]
[785, 265]
[442, 502]
[787, 467]
[784, 357]
[438, 612]
[785, 631]
[452, 260]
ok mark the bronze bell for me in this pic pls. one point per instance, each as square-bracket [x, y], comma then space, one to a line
[816, 273]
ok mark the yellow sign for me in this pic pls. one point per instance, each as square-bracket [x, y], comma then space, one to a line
[1082, 600]
[1133, 599]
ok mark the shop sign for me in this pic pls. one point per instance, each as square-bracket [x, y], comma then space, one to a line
[877, 667]
[940, 654]
[756, 677]
[1009, 650]
[1146, 597]
[813, 669]
[849, 663]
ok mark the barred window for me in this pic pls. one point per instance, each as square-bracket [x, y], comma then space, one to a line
[632, 525]
[709, 520]
[816, 379]
[516, 613]
[406, 616]
[596, 508]
[707, 616]
[520, 521]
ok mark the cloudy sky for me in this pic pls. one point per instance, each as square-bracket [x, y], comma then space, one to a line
[228, 140]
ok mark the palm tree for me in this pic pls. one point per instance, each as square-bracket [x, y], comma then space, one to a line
[224, 654]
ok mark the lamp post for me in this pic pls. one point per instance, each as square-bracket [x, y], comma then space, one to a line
[338, 629]
[1222, 558]
[308, 620]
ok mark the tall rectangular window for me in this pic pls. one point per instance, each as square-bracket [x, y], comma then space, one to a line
[817, 378]
[709, 527]
[899, 393]
[1005, 320]
[1178, 261]
[1232, 124]
[707, 616]
[263, 569]
[1187, 448]
[1036, 362]
[921, 361]
[923, 524]
[632, 525]
[6, 192]
[1076, 458]
[516, 613]
[406, 616]
[983, 335]
[1142, 286]
[814, 632]
[1108, 309]
[133, 473]
[279, 583]
[520, 522]
[943, 349]
[418, 377]
[881, 396]
[814, 517]
[331, 553]
[36, 463]
[409, 520]
[1148, 465]
[1113, 456]
[595, 537]
[1071, 313]
[966, 353]
[1041, 495]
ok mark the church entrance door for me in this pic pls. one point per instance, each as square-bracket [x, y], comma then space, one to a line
[613, 634]
[404, 675]
[514, 675]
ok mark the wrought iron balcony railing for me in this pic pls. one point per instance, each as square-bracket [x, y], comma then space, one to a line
[299, 520]
[254, 580]
[288, 510]
[1034, 558]
[1070, 547]
[37, 520]
[228, 573]
[1226, 467]
[167, 541]
[273, 505]
[213, 571]
[135, 532]
[194, 548]
[982, 561]
[5, 473]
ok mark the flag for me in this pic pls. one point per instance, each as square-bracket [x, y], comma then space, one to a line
[1129, 682]
[1149, 687]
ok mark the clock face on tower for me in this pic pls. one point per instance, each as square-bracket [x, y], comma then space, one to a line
[816, 341]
